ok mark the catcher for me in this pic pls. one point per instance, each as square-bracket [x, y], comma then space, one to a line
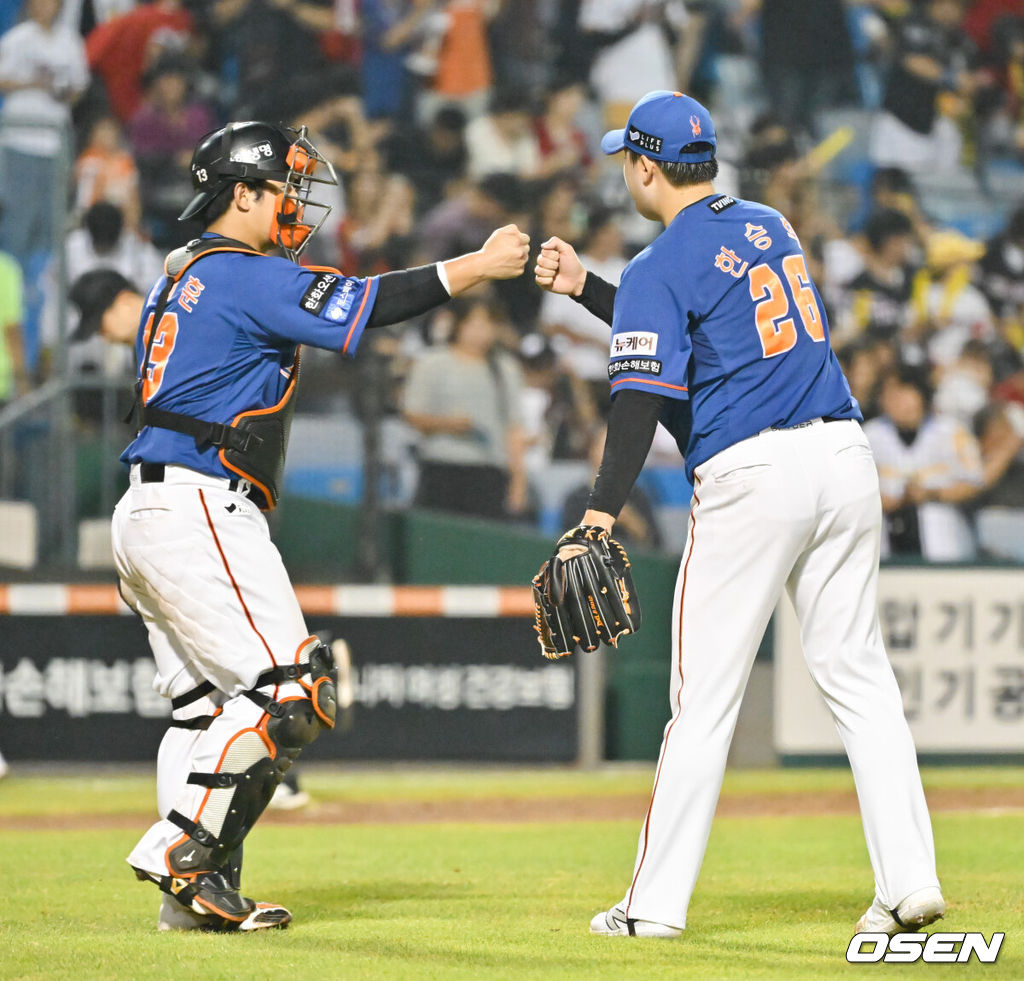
[218, 353]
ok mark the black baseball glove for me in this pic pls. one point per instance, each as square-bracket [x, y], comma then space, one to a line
[585, 599]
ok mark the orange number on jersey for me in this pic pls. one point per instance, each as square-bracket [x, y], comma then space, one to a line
[806, 304]
[163, 345]
[777, 335]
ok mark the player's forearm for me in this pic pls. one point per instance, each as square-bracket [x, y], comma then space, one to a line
[631, 425]
[598, 296]
[405, 294]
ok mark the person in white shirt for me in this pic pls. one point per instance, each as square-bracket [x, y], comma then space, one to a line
[43, 71]
[928, 465]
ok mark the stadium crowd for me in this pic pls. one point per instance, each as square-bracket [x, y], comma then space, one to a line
[447, 118]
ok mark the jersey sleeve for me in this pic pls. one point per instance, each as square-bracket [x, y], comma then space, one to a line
[319, 307]
[650, 345]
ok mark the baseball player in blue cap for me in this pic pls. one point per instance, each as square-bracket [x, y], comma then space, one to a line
[719, 333]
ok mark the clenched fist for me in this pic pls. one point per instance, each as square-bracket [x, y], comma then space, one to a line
[505, 253]
[558, 268]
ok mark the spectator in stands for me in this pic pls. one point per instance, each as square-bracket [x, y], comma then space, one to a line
[463, 75]
[502, 141]
[281, 50]
[633, 50]
[930, 81]
[948, 309]
[636, 523]
[1001, 279]
[561, 142]
[103, 242]
[928, 467]
[376, 233]
[866, 360]
[465, 400]
[522, 38]
[999, 517]
[122, 48]
[391, 31]
[876, 302]
[163, 132]
[456, 222]
[42, 74]
[14, 377]
[433, 158]
[806, 58]
[106, 171]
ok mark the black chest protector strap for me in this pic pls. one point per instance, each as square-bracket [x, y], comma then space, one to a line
[253, 445]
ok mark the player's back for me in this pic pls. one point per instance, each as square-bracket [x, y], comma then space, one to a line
[760, 356]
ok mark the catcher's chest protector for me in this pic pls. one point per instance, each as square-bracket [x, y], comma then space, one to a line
[254, 443]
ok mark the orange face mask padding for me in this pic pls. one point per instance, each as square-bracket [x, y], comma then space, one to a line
[286, 227]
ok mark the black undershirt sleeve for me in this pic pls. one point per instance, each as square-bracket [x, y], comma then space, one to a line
[631, 425]
[406, 293]
[597, 296]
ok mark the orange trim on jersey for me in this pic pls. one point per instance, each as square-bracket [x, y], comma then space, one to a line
[679, 694]
[359, 313]
[234, 584]
[326, 269]
[644, 381]
[288, 393]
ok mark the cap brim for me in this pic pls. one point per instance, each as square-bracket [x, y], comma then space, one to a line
[613, 141]
[200, 201]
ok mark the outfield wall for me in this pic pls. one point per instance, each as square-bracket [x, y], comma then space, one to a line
[454, 673]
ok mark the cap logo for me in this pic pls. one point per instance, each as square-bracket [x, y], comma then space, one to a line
[644, 140]
[695, 125]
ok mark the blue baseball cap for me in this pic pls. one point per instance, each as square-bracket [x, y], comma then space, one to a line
[666, 126]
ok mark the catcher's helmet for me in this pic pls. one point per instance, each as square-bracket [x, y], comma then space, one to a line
[254, 152]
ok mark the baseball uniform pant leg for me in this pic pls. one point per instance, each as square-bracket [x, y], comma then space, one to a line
[740, 547]
[834, 589]
[198, 565]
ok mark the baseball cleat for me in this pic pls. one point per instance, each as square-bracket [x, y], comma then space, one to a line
[615, 923]
[264, 916]
[916, 911]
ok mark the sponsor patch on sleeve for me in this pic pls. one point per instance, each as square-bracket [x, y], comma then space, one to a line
[640, 366]
[721, 203]
[635, 342]
[341, 303]
[320, 291]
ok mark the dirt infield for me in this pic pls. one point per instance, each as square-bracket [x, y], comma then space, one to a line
[513, 810]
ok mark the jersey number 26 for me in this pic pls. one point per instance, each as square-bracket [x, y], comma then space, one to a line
[775, 327]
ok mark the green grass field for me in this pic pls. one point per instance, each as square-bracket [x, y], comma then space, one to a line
[777, 898]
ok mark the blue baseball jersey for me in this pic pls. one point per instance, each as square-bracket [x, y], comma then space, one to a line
[720, 315]
[227, 343]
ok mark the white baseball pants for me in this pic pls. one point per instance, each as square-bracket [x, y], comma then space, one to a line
[197, 563]
[796, 508]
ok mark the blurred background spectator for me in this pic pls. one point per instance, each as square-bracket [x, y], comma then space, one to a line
[465, 400]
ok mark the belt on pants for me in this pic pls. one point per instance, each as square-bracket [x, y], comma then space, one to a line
[800, 425]
[171, 473]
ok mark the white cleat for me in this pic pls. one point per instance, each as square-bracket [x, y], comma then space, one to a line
[615, 923]
[916, 911]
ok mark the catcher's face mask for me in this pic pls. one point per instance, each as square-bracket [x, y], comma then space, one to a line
[299, 217]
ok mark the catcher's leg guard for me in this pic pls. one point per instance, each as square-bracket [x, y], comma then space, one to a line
[202, 876]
